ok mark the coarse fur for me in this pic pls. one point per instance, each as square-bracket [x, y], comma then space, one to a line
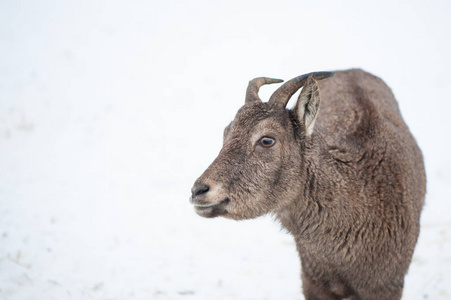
[342, 173]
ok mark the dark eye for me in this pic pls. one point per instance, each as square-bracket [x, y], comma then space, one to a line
[267, 142]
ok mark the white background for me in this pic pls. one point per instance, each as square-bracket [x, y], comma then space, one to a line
[110, 110]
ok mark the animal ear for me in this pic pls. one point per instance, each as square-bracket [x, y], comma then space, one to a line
[226, 131]
[307, 107]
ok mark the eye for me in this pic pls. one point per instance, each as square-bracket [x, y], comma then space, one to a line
[267, 141]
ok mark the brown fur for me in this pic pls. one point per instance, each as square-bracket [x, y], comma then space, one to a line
[350, 190]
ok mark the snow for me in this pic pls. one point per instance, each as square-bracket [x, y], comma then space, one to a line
[109, 110]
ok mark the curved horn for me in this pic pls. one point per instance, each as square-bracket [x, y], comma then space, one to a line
[254, 86]
[283, 94]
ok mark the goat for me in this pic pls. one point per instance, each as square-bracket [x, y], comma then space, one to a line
[347, 181]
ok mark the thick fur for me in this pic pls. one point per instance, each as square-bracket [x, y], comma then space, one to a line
[348, 182]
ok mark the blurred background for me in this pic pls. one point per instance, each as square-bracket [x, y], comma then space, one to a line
[109, 110]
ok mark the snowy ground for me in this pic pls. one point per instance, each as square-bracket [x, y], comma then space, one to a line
[110, 110]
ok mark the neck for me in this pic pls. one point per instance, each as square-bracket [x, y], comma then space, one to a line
[319, 206]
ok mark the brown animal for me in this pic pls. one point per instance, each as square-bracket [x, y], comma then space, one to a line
[347, 180]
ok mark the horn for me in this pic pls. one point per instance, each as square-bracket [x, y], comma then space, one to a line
[254, 86]
[282, 95]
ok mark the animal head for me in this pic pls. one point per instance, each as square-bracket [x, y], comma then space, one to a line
[261, 161]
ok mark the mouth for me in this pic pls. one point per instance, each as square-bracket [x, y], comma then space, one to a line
[212, 210]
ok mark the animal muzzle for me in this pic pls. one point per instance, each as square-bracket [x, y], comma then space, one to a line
[209, 200]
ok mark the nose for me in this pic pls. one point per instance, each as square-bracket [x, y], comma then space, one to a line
[200, 190]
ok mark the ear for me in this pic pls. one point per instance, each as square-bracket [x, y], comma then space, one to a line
[226, 131]
[307, 107]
